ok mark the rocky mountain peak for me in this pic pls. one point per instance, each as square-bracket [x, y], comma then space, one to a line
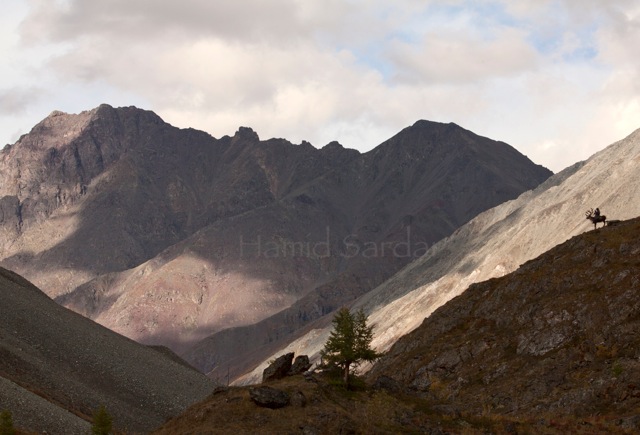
[247, 133]
[333, 145]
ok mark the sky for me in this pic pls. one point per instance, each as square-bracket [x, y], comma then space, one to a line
[557, 79]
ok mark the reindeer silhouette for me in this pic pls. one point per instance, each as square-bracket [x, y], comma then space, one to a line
[595, 218]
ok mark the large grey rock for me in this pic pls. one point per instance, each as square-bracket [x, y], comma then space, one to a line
[300, 365]
[279, 368]
[268, 397]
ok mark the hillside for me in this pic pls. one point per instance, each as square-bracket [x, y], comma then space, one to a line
[169, 236]
[550, 348]
[57, 368]
[559, 336]
[493, 244]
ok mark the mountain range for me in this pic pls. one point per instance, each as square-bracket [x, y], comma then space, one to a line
[516, 316]
[220, 248]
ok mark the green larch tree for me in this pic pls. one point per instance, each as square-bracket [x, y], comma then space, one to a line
[349, 343]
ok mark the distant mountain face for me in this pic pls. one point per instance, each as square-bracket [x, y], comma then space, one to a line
[169, 236]
[493, 244]
[57, 368]
[560, 334]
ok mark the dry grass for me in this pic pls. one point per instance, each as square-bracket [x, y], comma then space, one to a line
[332, 409]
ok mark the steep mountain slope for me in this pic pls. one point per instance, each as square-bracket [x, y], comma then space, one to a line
[551, 348]
[494, 243]
[168, 236]
[558, 336]
[57, 368]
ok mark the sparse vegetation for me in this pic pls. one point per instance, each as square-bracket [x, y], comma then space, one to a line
[101, 422]
[617, 369]
[6, 423]
[349, 343]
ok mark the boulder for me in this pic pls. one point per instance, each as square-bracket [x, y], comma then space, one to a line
[279, 368]
[300, 365]
[268, 397]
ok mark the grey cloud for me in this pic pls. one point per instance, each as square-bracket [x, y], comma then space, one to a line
[242, 20]
[453, 59]
[16, 101]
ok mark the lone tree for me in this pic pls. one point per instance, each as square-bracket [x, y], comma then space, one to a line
[6, 423]
[349, 343]
[101, 422]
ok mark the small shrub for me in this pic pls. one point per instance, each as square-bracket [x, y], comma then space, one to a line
[617, 369]
[6, 423]
[101, 422]
[605, 352]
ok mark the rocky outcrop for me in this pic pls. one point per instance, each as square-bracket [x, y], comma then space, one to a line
[283, 366]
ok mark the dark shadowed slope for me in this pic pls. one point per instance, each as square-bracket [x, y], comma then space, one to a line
[560, 335]
[57, 367]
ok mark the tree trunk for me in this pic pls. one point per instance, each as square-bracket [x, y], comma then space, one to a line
[346, 375]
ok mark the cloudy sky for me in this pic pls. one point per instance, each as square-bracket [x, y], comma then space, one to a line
[557, 79]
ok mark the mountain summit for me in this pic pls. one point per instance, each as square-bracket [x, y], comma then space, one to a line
[169, 236]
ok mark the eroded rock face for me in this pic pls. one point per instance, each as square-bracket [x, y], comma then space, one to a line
[268, 397]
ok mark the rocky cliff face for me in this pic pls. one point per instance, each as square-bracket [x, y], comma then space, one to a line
[494, 243]
[168, 236]
[557, 336]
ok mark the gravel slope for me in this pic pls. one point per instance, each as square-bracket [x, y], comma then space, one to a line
[32, 411]
[78, 365]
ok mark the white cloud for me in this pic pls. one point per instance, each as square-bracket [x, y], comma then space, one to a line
[16, 100]
[532, 73]
[446, 57]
